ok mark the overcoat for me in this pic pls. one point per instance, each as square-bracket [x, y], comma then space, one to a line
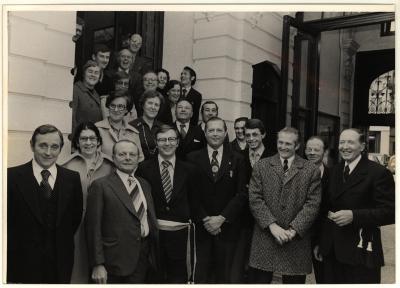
[290, 200]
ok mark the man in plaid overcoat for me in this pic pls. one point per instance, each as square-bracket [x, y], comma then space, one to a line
[284, 197]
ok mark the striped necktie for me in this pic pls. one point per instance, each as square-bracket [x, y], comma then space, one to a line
[136, 199]
[166, 180]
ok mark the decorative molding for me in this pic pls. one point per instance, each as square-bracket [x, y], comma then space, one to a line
[349, 47]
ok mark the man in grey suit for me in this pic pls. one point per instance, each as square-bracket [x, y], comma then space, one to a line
[121, 225]
[284, 198]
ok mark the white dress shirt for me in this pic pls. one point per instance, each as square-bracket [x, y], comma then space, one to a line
[290, 161]
[144, 224]
[37, 169]
[178, 125]
[219, 155]
[353, 164]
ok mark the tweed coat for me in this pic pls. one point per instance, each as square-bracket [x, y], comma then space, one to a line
[290, 201]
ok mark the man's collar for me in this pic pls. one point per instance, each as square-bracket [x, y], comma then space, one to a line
[124, 175]
[171, 161]
[211, 150]
[259, 150]
[353, 163]
[37, 168]
[179, 123]
[290, 160]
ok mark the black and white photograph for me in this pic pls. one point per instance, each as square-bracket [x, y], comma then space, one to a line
[195, 144]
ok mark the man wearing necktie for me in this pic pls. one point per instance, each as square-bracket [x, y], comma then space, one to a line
[44, 210]
[360, 200]
[284, 198]
[315, 152]
[121, 228]
[221, 180]
[188, 79]
[173, 186]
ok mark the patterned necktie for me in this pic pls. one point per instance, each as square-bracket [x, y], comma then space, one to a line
[285, 166]
[136, 199]
[214, 164]
[182, 131]
[166, 180]
[346, 173]
[44, 185]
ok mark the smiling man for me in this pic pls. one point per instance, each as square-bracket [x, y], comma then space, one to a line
[360, 199]
[284, 197]
[173, 187]
[221, 178]
[121, 228]
[44, 210]
[188, 79]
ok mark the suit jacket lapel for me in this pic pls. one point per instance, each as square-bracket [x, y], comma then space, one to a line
[120, 191]
[29, 193]
[63, 195]
[355, 177]
[293, 170]
[178, 180]
[276, 165]
[205, 163]
[157, 179]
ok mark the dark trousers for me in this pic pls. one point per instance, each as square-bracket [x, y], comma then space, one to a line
[239, 271]
[214, 260]
[318, 270]
[257, 276]
[336, 272]
[138, 276]
[173, 256]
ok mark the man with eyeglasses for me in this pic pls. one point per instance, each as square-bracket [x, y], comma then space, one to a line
[221, 177]
[191, 137]
[44, 210]
[173, 187]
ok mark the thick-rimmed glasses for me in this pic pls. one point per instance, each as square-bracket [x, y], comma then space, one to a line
[171, 140]
[85, 139]
[118, 107]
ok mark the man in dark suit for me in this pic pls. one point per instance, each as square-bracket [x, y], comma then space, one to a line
[315, 152]
[221, 178]
[208, 110]
[121, 226]
[172, 186]
[188, 79]
[361, 199]
[239, 144]
[44, 210]
[254, 133]
[191, 137]
[139, 64]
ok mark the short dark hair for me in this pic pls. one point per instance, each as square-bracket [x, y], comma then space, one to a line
[124, 140]
[183, 99]
[291, 130]
[255, 124]
[192, 74]
[165, 71]
[100, 48]
[316, 137]
[120, 75]
[216, 118]
[46, 129]
[151, 94]
[164, 128]
[240, 119]
[85, 126]
[208, 102]
[171, 84]
[120, 94]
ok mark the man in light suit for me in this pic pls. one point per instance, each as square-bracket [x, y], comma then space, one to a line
[44, 210]
[361, 198]
[284, 197]
[188, 79]
[172, 186]
[221, 177]
[315, 151]
[121, 226]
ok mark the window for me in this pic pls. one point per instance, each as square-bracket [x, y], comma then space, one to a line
[381, 94]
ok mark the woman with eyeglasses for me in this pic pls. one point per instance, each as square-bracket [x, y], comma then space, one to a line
[147, 125]
[86, 101]
[115, 127]
[173, 89]
[91, 164]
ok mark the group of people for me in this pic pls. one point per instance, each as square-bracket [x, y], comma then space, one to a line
[148, 195]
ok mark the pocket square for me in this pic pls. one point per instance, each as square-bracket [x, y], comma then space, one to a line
[195, 140]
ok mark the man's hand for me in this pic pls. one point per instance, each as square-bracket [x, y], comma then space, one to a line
[316, 253]
[213, 224]
[292, 233]
[281, 235]
[342, 217]
[99, 274]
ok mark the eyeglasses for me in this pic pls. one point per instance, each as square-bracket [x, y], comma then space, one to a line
[118, 107]
[85, 139]
[171, 140]
[123, 83]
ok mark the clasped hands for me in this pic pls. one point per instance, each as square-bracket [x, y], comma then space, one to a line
[281, 235]
[342, 217]
[213, 224]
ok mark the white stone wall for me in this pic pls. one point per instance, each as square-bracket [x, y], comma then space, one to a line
[40, 56]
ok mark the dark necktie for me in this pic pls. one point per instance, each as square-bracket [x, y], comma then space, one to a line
[184, 93]
[285, 166]
[214, 164]
[346, 173]
[166, 180]
[44, 185]
[182, 131]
